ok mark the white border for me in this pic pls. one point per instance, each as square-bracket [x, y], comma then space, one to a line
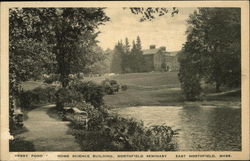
[244, 5]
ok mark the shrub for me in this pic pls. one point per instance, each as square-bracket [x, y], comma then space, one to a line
[51, 78]
[91, 92]
[67, 97]
[110, 86]
[95, 116]
[20, 145]
[110, 132]
[39, 95]
[124, 87]
[79, 91]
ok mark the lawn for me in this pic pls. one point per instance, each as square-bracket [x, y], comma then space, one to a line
[155, 88]
[163, 89]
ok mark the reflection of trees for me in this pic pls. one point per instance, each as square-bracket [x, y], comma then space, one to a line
[224, 127]
[210, 128]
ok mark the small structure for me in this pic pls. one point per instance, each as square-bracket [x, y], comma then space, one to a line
[80, 115]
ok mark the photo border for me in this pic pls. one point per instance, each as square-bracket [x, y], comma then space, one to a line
[235, 155]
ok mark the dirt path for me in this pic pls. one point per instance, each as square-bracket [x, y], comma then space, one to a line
[48, 134]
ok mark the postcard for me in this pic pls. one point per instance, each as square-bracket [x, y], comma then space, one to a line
[125, 80]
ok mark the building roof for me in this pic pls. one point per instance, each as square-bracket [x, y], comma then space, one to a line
[152, 51]
[155, 51]
[172, 53]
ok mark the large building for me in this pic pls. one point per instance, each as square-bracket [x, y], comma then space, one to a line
[158, 59]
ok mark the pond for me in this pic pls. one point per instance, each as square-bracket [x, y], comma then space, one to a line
[205, 128]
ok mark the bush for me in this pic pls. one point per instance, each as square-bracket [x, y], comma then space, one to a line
[95, 116]
[39, 95]
[110, 86]
[110, 132]
[91, 92]
[51, 78]
[67, 97]
[79, 91]
[20, 145]
[124, 87]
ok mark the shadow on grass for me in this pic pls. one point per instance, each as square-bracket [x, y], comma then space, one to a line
[19, 145]
[233, 95]
[32, 107]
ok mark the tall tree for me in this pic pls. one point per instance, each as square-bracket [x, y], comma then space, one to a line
[126, 57]
[126, 46]
[138, 43]
[68, 33]
[116, 64]
[42, 38]
[213, 46]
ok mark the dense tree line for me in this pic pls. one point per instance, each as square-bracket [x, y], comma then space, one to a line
[127, 59]
[212, 53]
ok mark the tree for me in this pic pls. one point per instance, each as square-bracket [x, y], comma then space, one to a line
[126, 57]
[139, 57]
[150, 13]
[213, 47]
[133, 62]
[49, 38]
[67, 33]
[189, 76]
[116, 63]
[138, 43]
[137, 61]
[127, 46]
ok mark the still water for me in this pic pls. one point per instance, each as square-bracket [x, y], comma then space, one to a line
[206, 128]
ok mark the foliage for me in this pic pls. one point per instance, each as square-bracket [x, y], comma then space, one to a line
[151, 13]
[20, 145]
[39, 95]
[110, 132]
[67, 97]
[190, 82]
[91, 92]
[126, 60]
[49, 40]
[136, 58]
[101, 66]
[110, 86]
[124, 87]
[117, 59]
[79, 91]
[51, 78]
[212, 51]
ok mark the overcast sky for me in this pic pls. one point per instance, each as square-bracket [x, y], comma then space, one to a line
[163, 31]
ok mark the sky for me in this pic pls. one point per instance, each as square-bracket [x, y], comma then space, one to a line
[165, 31]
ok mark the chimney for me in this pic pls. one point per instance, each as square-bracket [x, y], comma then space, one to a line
[152, 47]
[163, 48]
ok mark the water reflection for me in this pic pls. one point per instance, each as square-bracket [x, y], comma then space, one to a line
[204, 128]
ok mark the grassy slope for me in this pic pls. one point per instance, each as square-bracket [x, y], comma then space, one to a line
[161, 88]
[155, 88]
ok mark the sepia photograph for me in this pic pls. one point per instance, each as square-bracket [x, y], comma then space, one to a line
[126, 79]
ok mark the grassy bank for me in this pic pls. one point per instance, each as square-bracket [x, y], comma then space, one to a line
[155, 88]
